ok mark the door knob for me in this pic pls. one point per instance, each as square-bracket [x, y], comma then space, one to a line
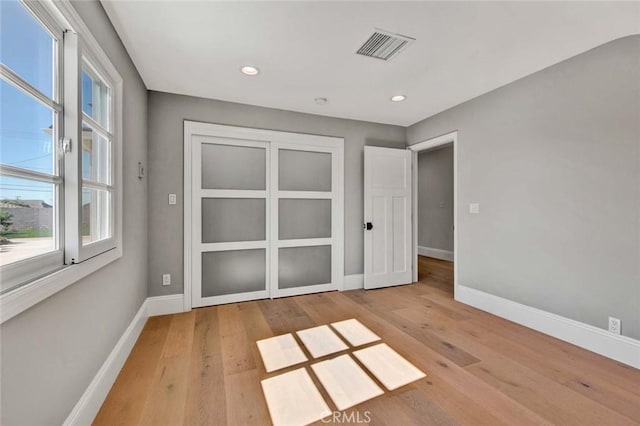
[368, 226]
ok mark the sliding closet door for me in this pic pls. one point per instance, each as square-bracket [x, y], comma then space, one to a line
[230, 219]
[264, 214]
[306, 226]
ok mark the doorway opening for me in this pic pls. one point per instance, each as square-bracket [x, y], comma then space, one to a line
[434, 220]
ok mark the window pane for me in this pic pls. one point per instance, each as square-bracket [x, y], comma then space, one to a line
[302, 218]
[26, 131]
[95, 156]
[304, 266]
[25, 46]
[95, 99]
[96, 211]
[27, 214]
[233, 167]
[304, 170]
[233, 219]
[232, 272]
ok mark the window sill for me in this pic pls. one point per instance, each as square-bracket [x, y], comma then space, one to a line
[28, 295]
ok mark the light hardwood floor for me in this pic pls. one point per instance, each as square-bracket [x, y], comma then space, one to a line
[203, 367]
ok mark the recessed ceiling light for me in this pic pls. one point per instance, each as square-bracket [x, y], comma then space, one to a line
[321, 101]
[398, 98]
[249, 70]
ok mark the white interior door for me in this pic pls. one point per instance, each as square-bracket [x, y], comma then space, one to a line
[306, 219]
[230, 220]
[387, 215]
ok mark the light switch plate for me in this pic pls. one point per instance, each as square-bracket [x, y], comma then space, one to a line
[474, 208]
[173, 199]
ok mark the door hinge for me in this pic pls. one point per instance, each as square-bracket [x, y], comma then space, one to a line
[66, 145]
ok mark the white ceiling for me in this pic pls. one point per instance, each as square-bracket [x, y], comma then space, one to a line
[306, 50]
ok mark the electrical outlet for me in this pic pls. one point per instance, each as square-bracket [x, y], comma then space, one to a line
[173, 199]
[614, 325]
[166, 279]
[474, 208]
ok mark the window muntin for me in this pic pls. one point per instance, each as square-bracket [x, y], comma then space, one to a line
[96, 158]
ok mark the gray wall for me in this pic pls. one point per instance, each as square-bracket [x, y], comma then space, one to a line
[51, 352]
[167, 113]
[554, 161]
[435, 198]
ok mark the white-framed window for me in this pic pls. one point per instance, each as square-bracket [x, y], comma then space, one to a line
[90, 223]
[60, 148]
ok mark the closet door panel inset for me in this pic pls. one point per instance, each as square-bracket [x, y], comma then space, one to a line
[233, 167]
[304, 218]
[232, 272]
[304, 170]
[304, 266]
[233, 219]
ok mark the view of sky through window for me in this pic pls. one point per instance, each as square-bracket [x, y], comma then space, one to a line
[26, 138]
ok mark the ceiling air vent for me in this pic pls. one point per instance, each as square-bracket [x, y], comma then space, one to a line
[384, 44]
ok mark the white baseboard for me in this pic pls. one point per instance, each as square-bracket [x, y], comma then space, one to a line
[619, 348]
[436, 253]
[164, 305]
[354, 282]
[91, 400]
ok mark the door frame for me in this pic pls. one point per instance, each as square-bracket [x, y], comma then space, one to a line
[195, 128]
[436, 142]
